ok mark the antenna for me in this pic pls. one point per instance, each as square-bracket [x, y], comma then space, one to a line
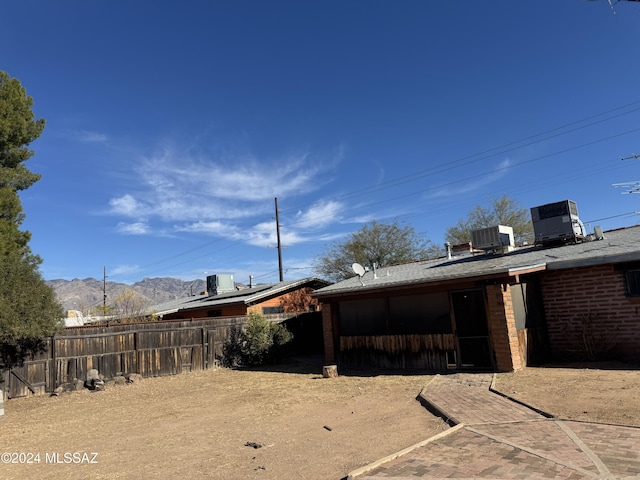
[632, 187]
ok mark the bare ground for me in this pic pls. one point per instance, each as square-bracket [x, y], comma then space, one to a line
[198, 425]
[597, 392]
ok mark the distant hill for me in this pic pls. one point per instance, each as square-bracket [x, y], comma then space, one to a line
[84, 294]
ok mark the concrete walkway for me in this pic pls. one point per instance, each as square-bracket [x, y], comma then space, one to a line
[495, 437]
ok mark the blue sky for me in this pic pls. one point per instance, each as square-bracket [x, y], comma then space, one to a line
[172, 126]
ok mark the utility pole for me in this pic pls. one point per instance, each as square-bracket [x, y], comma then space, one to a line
[104, 292]
[279, 244]
[633, 187]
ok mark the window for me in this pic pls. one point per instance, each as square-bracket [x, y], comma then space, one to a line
[272, 310]
[632, 283]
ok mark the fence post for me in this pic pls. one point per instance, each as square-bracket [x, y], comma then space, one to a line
[135, 351]
[204, 350]
[55, 366]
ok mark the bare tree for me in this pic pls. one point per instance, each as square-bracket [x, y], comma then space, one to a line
[130, 306]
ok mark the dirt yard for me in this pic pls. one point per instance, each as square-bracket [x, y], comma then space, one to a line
[206, 424]
[197, 425]
[605, 392]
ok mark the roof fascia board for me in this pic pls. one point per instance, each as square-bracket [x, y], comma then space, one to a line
[284, 288]
[503, 274]
[587, 262]
[411, 285]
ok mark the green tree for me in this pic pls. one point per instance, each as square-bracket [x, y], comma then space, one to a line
[382, 244]
[29, 310]
[502, 211]
[259, 342]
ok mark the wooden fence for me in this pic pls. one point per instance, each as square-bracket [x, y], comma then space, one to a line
[149, 349]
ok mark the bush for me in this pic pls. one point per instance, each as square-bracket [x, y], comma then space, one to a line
[259, 343]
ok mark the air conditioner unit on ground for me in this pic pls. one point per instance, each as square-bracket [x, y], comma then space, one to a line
[557, 223]
[498, 238]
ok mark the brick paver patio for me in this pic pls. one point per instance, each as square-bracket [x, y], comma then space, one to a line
[498, 438]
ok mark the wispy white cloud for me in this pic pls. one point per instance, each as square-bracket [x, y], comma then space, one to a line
[137, 228]
[126, 206]
[177, 186]
[469, 184]
[319, 214]
[260, 235]
[86, 136]
[182, 192]
[123, 270]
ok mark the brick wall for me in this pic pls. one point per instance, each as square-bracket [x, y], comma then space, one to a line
[587, 306]
[502, 328]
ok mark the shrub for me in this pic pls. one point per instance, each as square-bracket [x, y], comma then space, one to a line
[260, 342]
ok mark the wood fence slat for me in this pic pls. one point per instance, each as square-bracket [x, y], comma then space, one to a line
[154, 349]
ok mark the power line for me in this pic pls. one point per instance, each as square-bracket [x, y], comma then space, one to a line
[441, 168]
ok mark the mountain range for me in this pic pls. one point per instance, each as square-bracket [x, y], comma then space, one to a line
[86, 294]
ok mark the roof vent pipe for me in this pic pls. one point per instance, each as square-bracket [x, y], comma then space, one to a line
[448, 247]
[250, 281]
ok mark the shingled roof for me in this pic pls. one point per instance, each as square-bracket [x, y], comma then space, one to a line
[621, 245]
[246, 296]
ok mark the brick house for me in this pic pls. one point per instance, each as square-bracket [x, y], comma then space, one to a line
[227, 299]
[487, 311]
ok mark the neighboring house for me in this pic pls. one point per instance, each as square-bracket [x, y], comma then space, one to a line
[224, 299]
[491, 311]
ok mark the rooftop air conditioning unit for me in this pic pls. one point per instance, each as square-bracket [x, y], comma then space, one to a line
[557, 223]
[217, 284]
[498, 238]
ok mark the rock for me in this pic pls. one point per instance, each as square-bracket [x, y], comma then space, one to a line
[134, 377]
[58, 390]
[119, 380]
[92, 376]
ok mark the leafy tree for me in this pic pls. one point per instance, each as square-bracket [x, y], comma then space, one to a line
[259, 342]
[502, 211]
[29, 310]
[298, 301]
[376, 243]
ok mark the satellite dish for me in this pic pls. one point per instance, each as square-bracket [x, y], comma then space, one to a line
[358, 269]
